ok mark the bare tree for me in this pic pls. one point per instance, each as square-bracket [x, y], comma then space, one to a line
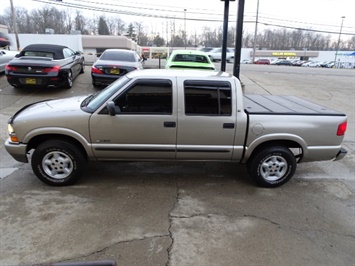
[80, 22]
[92, 25]
[139, 30]
[48, 17]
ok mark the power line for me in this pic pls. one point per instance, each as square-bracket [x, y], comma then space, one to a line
[180, 17]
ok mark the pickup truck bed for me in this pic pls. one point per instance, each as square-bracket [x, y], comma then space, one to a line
[287, 105]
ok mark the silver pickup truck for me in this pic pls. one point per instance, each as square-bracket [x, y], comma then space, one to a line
[186, 115]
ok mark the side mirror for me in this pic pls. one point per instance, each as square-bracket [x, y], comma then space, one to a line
[112, 108]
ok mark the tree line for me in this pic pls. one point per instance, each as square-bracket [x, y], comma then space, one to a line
[67, 21]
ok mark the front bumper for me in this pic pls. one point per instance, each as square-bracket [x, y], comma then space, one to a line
[17, 150]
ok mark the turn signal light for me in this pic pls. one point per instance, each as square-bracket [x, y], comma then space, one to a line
[342, 129]
[14, 138]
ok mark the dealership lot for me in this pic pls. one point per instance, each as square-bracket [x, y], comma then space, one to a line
[185, 213]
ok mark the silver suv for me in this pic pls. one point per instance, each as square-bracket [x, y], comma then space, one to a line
[216, 55]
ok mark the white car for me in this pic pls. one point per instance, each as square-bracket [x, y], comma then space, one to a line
[216, 55]
[311, 64]
[5, 57]
[246, 61]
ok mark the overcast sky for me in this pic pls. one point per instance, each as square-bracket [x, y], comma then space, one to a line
[322, 15]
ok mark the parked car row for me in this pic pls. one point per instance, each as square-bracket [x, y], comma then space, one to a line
[293, 62]
[50, 65]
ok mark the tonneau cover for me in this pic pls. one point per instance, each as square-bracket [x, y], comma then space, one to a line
[288, 105]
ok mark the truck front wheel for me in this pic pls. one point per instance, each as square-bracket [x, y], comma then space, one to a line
[272, 167]
[58, 163]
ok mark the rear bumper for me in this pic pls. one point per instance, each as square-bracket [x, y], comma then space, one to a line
[341, 154]
[104, 79]
[40, 82]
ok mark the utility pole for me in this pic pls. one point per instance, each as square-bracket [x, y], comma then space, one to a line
[15, 25]
[225, 34]
[337, 48]
[238, 39]
[256, 30]
[185, 27]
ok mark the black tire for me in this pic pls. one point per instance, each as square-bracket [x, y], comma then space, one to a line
[69, 80]
[272, 167]
[58, 163]
[82, 70]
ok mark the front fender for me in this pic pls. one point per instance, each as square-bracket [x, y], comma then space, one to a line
[62, 132]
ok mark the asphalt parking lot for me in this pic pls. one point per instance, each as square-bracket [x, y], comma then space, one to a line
[185, 213]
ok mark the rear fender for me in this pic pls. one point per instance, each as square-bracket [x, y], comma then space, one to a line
[273, 139]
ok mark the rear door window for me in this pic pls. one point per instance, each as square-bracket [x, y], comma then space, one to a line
[208, 98]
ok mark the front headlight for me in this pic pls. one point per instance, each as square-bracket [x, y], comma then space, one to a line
[10, 129]
[12, 133]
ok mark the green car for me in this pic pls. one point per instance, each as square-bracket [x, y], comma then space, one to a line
[190, 59]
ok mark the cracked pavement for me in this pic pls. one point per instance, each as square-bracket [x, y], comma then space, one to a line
[182, 213]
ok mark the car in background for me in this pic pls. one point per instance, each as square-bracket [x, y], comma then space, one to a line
[216, 54]
[311, 64]
[297, 63]
[327, 64]
[113, 64]
[274, 61]
[191, 59]
[5, 57]
[314, 64]
[246, 61]
[4, 40]
[283, 63]
[205, 49]
[331, 64]
[262, 62]
[45, 65]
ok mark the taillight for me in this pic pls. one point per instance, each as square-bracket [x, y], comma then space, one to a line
[51, 69]
[10, 68]
[342, 129]
[96, 70]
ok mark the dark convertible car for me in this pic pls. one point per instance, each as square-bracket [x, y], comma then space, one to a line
[45, 65]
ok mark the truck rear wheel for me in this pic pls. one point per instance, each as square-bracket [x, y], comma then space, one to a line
[272, 167]
[58, 163]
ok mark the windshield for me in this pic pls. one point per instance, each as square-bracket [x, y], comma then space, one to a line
[96, 100]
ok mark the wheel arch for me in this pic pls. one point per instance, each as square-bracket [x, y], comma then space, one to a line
[290, 144]
[39, 139]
